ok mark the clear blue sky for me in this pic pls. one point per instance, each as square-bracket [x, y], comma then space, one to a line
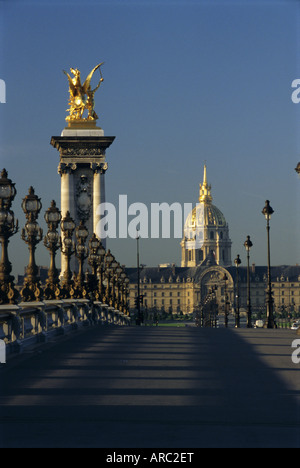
[184, 82]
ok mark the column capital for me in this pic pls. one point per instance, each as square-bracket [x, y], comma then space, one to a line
[99, 168]
[66, 168]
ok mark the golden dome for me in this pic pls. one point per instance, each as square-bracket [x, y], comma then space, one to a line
[205, 214]
[206, 233]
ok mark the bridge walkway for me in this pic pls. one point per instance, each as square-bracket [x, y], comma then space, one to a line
[140, 387]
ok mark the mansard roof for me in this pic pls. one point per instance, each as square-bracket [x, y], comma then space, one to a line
[173, 274]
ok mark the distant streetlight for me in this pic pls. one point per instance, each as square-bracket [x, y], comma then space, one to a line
[267, 212]
[226, 304]
[237, 262]
[139, 315]
[248, 244]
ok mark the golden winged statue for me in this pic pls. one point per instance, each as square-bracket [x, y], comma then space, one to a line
[82, 96]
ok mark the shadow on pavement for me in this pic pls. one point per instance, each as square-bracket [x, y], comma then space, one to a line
[152, 387]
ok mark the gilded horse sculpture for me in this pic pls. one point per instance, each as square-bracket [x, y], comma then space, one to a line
[82, 96]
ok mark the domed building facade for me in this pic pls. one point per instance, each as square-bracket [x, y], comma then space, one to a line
[207, 272]
[206, 233]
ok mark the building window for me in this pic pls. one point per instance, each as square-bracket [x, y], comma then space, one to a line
[200, 255]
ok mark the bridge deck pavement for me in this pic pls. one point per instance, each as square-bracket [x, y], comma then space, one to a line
[154, 387]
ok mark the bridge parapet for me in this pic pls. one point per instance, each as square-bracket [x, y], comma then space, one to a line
[30, 323]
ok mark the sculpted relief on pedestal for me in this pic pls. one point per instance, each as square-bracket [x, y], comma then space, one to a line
[83, 197]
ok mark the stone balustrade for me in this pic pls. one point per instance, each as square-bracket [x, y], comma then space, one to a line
[29, 323]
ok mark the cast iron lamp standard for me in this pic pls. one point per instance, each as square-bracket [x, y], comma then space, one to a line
[67, 226]
[93, 261]
[81, 254]
[225, 278]
[237, 262]
[248, 244]
[101, 254]
[52, 242]
[267, 212]
[32, 234]
[119, 270]
[126, 294]
[122, 289]
[114, 265]
[214, 306]
[8, 227]
[107, 272]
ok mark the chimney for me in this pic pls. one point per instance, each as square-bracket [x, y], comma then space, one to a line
[253, 268]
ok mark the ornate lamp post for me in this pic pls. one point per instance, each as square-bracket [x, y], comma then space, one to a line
[237, 262]
[101, 253]
[68, 249]
[52, 242]
[225, 278]
[108, 270]
[122, 289]
[119, 283]
[114, 265]
[126, 282]
[267, 212]
[93, 261]
[248, 244]
[93, 258]
[8, 227]
[81, 233]
[32, 234]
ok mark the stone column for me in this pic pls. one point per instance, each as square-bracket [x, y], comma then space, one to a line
[67, 196]
[67, 188]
